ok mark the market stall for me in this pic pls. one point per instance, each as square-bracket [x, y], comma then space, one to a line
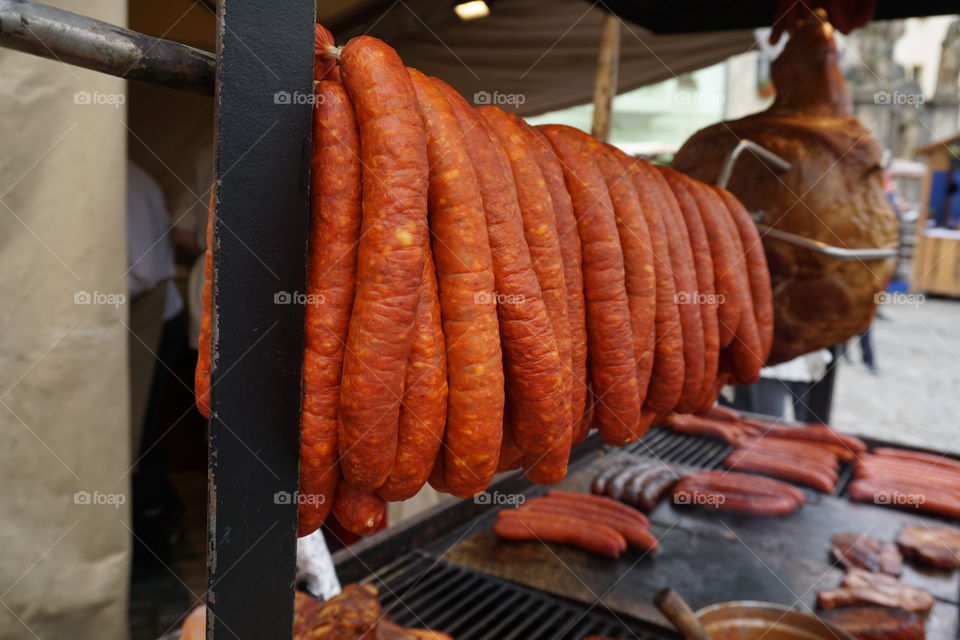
[468, 568]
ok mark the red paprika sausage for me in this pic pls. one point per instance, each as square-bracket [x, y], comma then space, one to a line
[393, 150]
[423, 412]
[331, 278]
[359, 511]
[201, 380]
[572, 274]
[610, 338]
[324, 64]
[461, 249]
[515, 524]
[666, 380]
[640, 271]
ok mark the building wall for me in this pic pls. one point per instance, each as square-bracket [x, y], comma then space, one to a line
[64, 417]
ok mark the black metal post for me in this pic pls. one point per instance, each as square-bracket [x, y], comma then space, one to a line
[53, 33]
[265, 71]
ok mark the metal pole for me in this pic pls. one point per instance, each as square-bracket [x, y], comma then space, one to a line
[68, 37]
[263, 123]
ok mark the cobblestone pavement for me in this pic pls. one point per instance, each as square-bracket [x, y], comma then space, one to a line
[914, 398]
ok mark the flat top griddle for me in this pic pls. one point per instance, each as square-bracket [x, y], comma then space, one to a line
[707, 556]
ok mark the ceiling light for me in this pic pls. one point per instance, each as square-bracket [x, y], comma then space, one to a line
[472, 10]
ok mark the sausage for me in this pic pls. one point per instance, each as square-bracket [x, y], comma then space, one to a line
[634, 534]
[393, 153]
[540, 232]
[634, 487]
[759, 462]
[586, 500]
[721, 412]
[920, 497]
[359, 511]
[423, 412]
[656, 487]
[201, 380]
[640, 271]
[610, 348]
[465, 280]
[760, 289]
[726, 262]
[814, 432]
[918, 456]
[732, 482]
[683, 189]
[685, 279]
[536, 409]
[698, 425]
[572, 274]
[618, 482]
[514, 524]
[743, 354]
[324, 65]
[599, 484]
[742, 503]
[791, 449]
[536, 415]
[666, 376]
[331, 278]
[780, 457]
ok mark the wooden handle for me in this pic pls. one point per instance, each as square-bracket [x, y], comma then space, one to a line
[679, 613]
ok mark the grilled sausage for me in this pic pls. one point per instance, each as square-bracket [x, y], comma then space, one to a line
[359, 511]
[331, 278]
[634, 533]
[465, 282]
[515, 524]
[771, 465]
[585, 500]
[393, 152]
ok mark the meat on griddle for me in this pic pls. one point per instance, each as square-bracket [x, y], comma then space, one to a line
[861, 587]
[876, 623]
[933, 546]
[853, 550]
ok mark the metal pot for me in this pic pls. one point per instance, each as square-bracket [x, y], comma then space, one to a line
[748, 620]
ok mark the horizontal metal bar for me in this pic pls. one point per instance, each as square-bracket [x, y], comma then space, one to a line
[71, 38]
[823, 248]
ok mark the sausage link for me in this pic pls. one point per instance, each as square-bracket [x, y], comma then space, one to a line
[465, 280]
[684, 188]
[655, 487]
[699, 425]
[758, 462]
[795, 448]
[587, 500]
[610, 346]
[423, 412]
[572, 274]
[535, 402]
[513, 524]
[731, 482]
[331, 280]
[393, 151]
[685, 280]
[918, 456]
[760, 289]
[746, 504]
[922, 498]
[599, 484]
[636, 535]
[201, 380]
[359, 511]
[726, 262]
[640, 271]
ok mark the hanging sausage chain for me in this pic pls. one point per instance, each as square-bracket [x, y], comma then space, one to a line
[482, 293]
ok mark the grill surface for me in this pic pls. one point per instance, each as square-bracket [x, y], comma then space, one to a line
[420, 591]
[664, 444]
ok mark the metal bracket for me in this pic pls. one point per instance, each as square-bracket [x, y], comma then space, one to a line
[831, 251]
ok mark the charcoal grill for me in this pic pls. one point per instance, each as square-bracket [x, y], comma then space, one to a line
[422, 591]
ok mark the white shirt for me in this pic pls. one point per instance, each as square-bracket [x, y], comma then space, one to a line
[149, 250]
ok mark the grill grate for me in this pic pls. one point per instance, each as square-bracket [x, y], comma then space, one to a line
[701, 452]
[420, 591]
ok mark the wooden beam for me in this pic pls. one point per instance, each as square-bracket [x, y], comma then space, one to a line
[605, 87]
